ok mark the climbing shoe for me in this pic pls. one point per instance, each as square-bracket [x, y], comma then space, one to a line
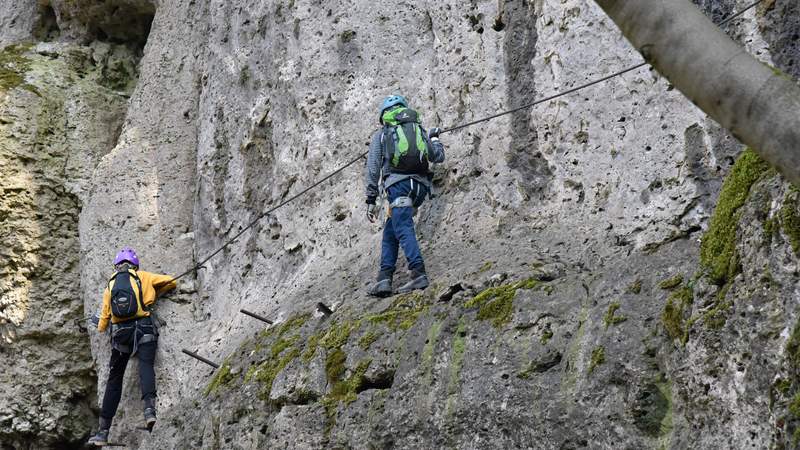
[101, 438]
[150, 413]
[382, 287]
[419, 280]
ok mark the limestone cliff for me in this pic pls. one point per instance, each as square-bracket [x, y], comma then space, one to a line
[596, 284]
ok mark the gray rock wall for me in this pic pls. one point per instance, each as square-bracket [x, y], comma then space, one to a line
[56, 119]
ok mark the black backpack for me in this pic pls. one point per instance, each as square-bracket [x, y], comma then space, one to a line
[124, 303]
[404, 143]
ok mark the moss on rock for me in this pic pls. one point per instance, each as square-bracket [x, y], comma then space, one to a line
[222, 378]
[497, 303]
[672, 282]
[790, 220]
[367, 339]
[718, 247]
[403, 313]
[611, 318]
[635, 287]
[598, 358]
[282, 351]
[13, 66]
[673, 316]
[547, 334]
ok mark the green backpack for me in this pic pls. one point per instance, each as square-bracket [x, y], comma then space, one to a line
[403, 142]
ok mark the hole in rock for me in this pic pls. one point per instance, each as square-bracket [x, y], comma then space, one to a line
[383, 380]
[126, 23]
[46, 28]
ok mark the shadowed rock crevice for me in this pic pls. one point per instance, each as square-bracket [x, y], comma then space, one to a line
[61, 110]
[46, 28]
[780, 23]
[533, 170]
[114, 21]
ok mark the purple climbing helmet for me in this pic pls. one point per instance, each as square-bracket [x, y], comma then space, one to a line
[127, 254]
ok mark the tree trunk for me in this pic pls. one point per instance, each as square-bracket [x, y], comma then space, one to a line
[758, 104]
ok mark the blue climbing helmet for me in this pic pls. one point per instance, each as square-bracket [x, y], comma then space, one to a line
[391, 101]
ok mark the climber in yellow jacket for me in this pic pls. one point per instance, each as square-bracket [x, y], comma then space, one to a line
[126, 302]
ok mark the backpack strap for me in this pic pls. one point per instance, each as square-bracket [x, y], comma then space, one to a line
[139, 285]
[133, 274]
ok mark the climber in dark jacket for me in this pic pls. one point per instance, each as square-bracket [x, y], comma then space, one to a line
[398, 163]
[126, 302]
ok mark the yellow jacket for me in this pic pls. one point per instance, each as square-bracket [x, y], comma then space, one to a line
[153, 285]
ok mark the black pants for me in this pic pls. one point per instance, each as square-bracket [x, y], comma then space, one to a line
[147, 376]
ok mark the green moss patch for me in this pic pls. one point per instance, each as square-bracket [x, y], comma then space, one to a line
[284, 350]
[716, 317]
[598, 358]
[718, 247]
[671, 283]
[334, 365]
[790, 220]
[223, 377]
[13, 66]
[793, 347]
[403, 313]
[367, 339]
[497, 303]
[635, 287]
[673, 316]
[343, 391]
[547, 334]
[611, 318]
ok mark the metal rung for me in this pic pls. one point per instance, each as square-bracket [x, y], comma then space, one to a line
[256, 316]
[198, 357]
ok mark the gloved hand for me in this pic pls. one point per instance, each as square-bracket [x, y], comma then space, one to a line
[434, 133]
[372, 212]
[95, 319]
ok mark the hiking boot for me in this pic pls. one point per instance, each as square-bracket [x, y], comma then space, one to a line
[419, 280]
[382, 287]
[101, 438]
[150, 413]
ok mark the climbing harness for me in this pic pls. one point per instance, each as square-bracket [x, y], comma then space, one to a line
[126, 337]
[402, 202]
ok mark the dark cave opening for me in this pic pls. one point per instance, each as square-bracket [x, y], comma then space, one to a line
[46, 28]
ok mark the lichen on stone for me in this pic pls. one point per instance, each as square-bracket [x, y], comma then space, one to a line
[598, 358]
[672, 282]
[222, 378]
[610, 318]
[457, 356]
[678, 303]
[367, 339]
[497, 303]
[718, 247]
[635, 287]
[790, 219]
[403, 313]
[547, 334]
[342, 390]
[282, 351]
[13, 66]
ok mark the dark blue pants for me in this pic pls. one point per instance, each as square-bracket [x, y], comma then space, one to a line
[119, 361]
[399, 228]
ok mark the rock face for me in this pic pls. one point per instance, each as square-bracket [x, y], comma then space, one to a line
[57, 116]
[596, 284]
